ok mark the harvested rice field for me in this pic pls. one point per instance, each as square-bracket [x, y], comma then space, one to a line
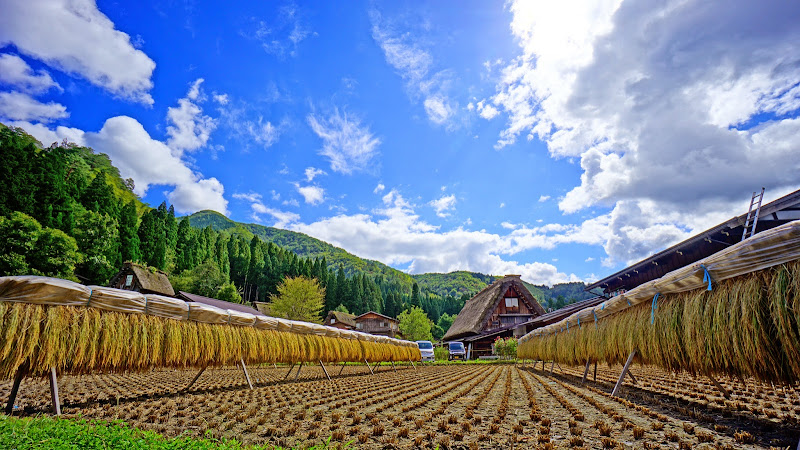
[454, 406]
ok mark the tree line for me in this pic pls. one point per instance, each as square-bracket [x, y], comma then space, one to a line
[66, 212]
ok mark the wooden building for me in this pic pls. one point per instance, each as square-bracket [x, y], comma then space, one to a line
[494, 312]
[189, 297]
[134, 277]
[374, 323]
[340, 320]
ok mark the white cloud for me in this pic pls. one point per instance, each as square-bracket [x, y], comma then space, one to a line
[275, 195]
[379, 188]
[313, 195]
[189, 129]
[313, 172]
[348, 144]
[502, 204]
[248, 126]
[422, 246]
[23, 107]
[443, 205]
[284, 32]
[221, 99]
[281, 218]
[291, 202]
[413, 63]
[670, 107]
[487, 111]
[543, 198]
[75, 37]
[48, 136]
[509, 226]
[251, 196]
[16, 72]
[589, 259]
[151, 162]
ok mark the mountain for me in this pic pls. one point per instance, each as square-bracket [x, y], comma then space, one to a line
[302, 244]
[454, 283]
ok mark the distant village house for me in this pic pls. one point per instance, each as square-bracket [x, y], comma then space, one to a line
[375, 323]
[340, 320]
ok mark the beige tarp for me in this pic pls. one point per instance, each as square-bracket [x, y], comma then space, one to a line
[266, 323]
[166, 307]
[43, 291]
[117, 300]
[766, 249]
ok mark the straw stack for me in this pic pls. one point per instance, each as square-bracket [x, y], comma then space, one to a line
[746, 326]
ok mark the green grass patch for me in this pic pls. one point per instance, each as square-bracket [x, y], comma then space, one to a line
[56, 433]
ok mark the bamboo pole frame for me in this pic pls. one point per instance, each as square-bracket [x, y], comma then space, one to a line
[622, 375]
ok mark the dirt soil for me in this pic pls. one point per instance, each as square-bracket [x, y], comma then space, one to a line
[454, 406]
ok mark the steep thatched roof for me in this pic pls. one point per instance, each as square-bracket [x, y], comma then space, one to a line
[151, 280]
[472, 318]
[342, 317]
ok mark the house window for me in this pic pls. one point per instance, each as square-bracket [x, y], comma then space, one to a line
[512, 302]
[333, 321]
[383, 324]
[358, 326]
[128, 280]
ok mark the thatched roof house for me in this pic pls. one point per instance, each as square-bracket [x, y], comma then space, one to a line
[494, 312]
[341, 320]
[134, 277]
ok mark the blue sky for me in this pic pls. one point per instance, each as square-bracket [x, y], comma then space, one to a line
[560, 141]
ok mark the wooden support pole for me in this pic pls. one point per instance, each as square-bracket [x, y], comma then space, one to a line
[54, 392]
[21, 372]
[299, 368]
[724, 391]
[393, 367]
[633, 378]
[289, 372]
[377, 366]
[585, 371]
[324, 370]
[195, 378]
[274, 365]
[624, 372]
[412, 365]
[552, 366]
[368, 367]
[344, 364]
[246, 375]
[559, 367]
[595, 371]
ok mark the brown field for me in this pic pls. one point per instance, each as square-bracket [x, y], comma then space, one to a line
[455, 406]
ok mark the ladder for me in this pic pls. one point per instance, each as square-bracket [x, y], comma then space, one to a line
[752, 216]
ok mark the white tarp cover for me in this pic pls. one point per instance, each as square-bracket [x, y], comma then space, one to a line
[266, 323]
[166, 307]
[116, 300]
[43, 291]
[766, 249]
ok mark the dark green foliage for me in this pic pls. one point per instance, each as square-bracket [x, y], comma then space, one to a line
[27, 248]
[128, 233]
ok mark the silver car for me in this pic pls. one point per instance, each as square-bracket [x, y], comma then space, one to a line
[426, 350]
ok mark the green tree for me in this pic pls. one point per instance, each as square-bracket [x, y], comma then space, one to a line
[446, 321]
[229, 293]
[128, 237]
[55, 255]
[341, 308]
[18, 235]
[299, 298]
[415, 299]
[98, 240]
[415, 324]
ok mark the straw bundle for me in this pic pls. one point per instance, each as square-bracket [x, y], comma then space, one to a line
[82, 340]
[746, 327]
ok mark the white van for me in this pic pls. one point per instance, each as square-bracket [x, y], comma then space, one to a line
[426, 350]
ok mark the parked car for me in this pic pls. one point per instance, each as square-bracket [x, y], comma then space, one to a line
[426, 350]
[457, 351]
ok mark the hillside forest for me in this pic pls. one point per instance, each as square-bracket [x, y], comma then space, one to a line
[66, 212]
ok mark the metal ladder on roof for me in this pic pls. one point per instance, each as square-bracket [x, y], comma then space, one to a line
[752, 216]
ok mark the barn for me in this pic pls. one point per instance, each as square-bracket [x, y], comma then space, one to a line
[494, 312]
